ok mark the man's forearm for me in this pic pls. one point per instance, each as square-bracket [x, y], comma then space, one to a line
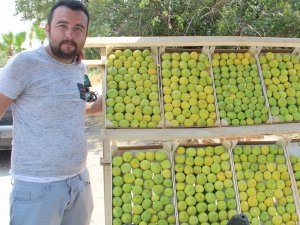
[95, 107]
[4, 104]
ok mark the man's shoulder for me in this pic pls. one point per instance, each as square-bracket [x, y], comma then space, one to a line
[29, 56]
[31, 52]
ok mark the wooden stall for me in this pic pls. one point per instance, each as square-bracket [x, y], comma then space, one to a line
[284, 132]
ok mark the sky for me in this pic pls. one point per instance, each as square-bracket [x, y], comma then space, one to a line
[9, 22]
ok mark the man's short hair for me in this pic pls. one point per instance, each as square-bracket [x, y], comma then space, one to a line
[71, 4]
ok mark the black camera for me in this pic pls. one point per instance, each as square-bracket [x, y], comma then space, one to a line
[239, 219]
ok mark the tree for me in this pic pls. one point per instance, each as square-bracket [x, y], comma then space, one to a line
[8, 40]
[13, 43]
[262, 18]
[34, 10]
[10, 45]
[278, 18]
[38, 32]
[3, 56]
[19, 39]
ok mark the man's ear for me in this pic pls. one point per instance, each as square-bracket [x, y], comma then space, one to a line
[47, 29]
[79, 57]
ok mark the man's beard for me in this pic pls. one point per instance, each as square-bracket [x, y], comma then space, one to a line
[57, 52]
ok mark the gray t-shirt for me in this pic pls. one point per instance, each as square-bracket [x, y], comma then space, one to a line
[48, 115]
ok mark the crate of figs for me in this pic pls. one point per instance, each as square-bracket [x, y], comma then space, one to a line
[281, 75]
[204, 182]
[266, 192]
[132, 89]
[240, 93]
[188, 94]
[142, 185]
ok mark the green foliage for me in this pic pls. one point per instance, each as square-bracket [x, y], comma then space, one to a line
[11, 43]
[262, 18]
[94, 71]
[39, 32]
[91, 53]
[277, 18]
[3, 58]
[36, 10]
[19, 39]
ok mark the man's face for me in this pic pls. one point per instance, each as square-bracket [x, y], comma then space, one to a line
[67, 33]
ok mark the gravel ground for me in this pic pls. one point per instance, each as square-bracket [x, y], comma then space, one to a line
[93, 127]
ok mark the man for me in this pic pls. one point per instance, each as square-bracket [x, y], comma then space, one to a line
[45, 89]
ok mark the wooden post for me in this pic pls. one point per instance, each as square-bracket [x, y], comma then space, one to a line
[107, 178]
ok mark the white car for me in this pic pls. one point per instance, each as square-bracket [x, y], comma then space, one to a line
[6, 129]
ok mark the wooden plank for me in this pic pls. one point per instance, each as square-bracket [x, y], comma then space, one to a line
[200, 133]
[93, 62]
[103, 53]
[106, 160]
[94, 42]
[107, 184]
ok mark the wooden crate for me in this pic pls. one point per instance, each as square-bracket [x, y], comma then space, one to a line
[281, 52]
[252, 53]
[227, 149]
[281, 144]
[197, 50]
[293, 149]
[154, 56]
[117, 151]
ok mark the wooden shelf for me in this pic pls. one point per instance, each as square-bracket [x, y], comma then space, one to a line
[93, 42]
[200, 133]
[93, 62]
[103, 43]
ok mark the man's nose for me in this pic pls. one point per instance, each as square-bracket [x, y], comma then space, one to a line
[69, 33]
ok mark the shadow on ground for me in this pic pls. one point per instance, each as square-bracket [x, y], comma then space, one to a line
[93, 126]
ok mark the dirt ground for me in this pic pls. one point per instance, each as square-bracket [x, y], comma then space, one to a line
[93, 127]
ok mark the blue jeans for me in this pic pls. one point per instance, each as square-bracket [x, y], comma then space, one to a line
[66, 202]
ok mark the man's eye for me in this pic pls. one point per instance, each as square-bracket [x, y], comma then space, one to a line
[78, 29]
[62, 26]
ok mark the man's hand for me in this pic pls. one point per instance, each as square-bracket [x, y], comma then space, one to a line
[94, 107]
[4, 103]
